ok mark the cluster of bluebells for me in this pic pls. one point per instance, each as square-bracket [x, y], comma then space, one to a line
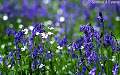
[25, 39]
[33, 46]
[91, 48]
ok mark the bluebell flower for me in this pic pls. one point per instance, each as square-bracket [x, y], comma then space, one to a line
[87, 15]
[78, 73]
[33, 65]
[70, 51]
[100, 17]
[78, 43]
[30, 42]
[92, 71]
[12, 61]
[97, 38]
[19, 38]
[88, 47]
[86, 29]
[100, 20]
[110, 41]
[40, 49]
[1, 59]
[18, 55]
[115, 69]
[10, 57]
[81, 61]
[88, 38]
[97, 35]
[74, 55]
[38, 28]
[49, 55]
[93, 57]
[83, 70]
[92, 4]
[10, 31]
[63, 42]
[35, 53]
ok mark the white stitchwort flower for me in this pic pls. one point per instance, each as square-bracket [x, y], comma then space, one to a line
[25, 31]
[49, 22]
[51, 28]
[82, 47]
[69, 47]
[20, 26]
[49, 33]
[3, 46]
[62, 19]
[19, 20]
[51, 42]
[44, 35]
[57, 51]
[37, 33]
[41, 65]
[9, 65]
[11, 25]
[14, 47]
[113, 58]
[31, 28]
[24, 48]
[59, 47]
[5, 17]
[9, 43]
[117, 18]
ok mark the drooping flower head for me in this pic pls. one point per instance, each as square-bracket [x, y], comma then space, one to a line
[49, 55]
[40, 49]
[110, 41]
[62, 42]
[34, 53]
[86, 28]
[78, 43]
[92, 71]
[19, 38]
[38, 28]
[100, 20]
[10, 31]
[115, 69]
[93, 57]
[1, 59]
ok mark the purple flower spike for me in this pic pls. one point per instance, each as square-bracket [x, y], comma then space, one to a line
[40, 49]
[10, 31]
[78, 43]
[93, 71]
[49, 55]
[34, 53]
[93, 57]
[38, 28]
[86, 28]
[63, 42]
[115, 69]
[1, 59]
[100, 17]
[19, 38]
[84, 70]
